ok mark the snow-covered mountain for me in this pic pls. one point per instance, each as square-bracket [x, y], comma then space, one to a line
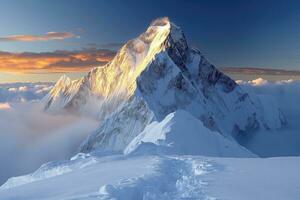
[167, 117]
[152, 76]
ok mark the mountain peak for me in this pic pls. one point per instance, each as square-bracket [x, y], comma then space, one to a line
[165, 22]
[152, 76]
[159, 35]
[64, 79]
[161, 21]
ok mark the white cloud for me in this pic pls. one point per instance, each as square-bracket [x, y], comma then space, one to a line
[4, 106]
[255, 82]
[13, 89]
[30, 137]
[285, 92]
[285, 141]
[23, 88]
[22, 92]
[259, 81]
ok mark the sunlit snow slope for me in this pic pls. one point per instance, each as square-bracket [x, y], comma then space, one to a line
[154, 75]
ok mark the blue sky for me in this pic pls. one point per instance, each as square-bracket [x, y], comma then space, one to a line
[263, 34]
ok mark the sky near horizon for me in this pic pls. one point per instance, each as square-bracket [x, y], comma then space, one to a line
[40, 40]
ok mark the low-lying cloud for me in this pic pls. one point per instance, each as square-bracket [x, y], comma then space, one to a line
[23, 92]
[286, 92]
[32, 38]
[30, 137]
[285, 141]
[56, 61]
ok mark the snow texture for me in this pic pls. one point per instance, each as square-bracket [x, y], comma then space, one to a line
[160, 177]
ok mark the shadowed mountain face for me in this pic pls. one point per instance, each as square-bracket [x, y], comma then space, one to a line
[150, 77]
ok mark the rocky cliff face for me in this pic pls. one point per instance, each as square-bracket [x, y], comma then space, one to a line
[150, 77]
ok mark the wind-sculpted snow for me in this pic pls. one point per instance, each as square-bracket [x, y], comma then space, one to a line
[52, 169]
[175, 178]
[79, 179]
[161, 177]
[149, 177]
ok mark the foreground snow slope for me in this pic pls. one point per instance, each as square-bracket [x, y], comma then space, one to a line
[260, 179]
[80, 179]
[161, 177]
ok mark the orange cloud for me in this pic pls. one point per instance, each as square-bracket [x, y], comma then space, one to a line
[32, 38]
[56, 61]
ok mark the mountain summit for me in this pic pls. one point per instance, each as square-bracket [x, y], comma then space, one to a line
[152, 76]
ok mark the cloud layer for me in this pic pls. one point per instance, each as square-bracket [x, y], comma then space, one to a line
[56, 61]
[286, 93]
[23, 92]
[32, 38]
[285, 141]
[30, 137]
